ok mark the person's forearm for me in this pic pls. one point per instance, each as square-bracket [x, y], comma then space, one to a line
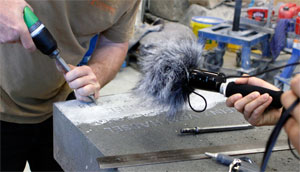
[107, 59]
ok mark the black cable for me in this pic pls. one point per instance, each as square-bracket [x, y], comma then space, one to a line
[275, 133]
[270, 70]
[205, 102]
[292, 150]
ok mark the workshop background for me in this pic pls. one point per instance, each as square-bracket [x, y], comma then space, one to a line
[159, 20]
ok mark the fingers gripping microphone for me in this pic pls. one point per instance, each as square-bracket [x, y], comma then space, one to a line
[170, 73]
[211, 81]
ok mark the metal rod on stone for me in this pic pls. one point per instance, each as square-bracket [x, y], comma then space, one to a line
[237, 15]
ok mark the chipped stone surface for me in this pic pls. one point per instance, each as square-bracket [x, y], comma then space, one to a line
[123, 124]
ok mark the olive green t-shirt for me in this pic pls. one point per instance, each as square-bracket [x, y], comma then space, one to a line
[30, 82]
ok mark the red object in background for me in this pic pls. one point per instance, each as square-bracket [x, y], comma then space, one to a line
[258, 13]
[288, 11]
[297, 27]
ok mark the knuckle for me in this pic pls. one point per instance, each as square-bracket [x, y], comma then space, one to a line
[72, 85]
[247, 110]
[253, 95]
[80, 91]
[76, 72]
[90, 89]
[238, 107]
[13, 36]
[228, 103]
[98, 87]
[76, 83]
[84, 91]
[252, 122]
[254, 115]
[86, 68]
[19, 30]
[67, 75]
[94, 79]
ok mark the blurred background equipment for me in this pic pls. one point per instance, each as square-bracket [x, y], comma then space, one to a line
[258, 44]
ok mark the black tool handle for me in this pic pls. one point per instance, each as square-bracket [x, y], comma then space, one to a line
[245, 89]
[45, 42]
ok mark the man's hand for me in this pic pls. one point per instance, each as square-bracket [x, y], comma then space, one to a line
[254, 106]
[12, 26]
[292, 127]
[105, 63]
[83, 80]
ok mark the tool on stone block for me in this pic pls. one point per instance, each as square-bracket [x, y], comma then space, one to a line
[202, 130]
[44, 41]
[243, 164]
[148, 158]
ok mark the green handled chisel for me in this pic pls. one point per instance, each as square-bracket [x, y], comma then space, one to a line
[44, 41]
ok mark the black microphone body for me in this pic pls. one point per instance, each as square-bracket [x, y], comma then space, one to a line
[212, 81]
[245, 89]
[205, 80]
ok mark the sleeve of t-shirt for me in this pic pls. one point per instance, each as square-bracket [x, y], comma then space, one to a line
[123, 29]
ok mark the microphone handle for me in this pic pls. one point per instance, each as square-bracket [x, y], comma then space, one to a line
[245, 89]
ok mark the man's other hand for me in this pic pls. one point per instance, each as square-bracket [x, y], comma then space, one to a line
[12, 26]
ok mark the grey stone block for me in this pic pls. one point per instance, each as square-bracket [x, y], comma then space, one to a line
[124, 124]
[72, 149]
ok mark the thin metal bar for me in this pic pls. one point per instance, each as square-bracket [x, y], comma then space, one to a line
[168, 156]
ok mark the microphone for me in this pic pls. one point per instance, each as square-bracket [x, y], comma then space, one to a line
[170, 73]
[216, 82]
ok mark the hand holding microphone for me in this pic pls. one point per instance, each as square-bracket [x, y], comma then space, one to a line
[254, 105]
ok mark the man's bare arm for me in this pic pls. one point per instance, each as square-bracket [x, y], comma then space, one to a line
[107, 59]
[105, 63]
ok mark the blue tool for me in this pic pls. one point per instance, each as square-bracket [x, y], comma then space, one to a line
[235, 164]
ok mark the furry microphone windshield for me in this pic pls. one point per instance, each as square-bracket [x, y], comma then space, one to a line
[165, 72]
